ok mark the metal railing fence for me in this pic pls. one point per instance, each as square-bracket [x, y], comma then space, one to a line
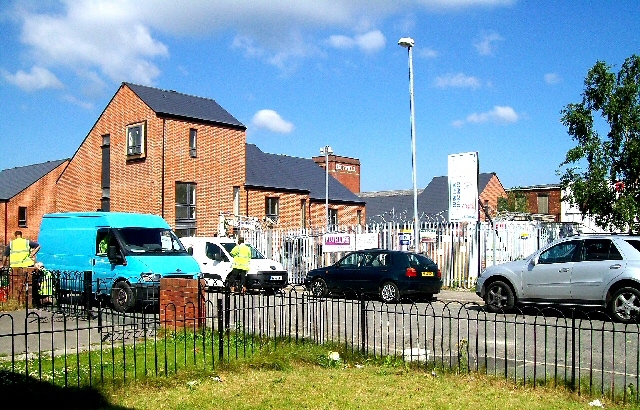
[461, 250]
[70, 345]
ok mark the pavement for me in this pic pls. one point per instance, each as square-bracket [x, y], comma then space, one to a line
[459, 295]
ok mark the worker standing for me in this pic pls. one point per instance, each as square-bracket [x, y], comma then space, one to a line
[241, 264]
[21, 252]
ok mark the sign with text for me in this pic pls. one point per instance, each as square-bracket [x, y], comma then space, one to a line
[463, 187]
[338, 242]
[367, 241]
[344, 242]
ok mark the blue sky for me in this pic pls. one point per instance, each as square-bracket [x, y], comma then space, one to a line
[489, 75]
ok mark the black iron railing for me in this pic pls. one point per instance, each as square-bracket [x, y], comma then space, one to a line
[79, 340]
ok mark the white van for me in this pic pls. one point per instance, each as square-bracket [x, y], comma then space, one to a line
[215, 260]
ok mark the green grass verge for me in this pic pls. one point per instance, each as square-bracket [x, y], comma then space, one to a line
[182, 370]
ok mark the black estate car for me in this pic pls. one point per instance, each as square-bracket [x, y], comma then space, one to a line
[391, 275]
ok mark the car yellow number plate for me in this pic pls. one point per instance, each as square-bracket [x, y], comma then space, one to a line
[427, 273]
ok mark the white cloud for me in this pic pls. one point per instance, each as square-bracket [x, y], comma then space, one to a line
[427, 53]
[498, 115]
[38, 79]
[369, 42]
[486, 43]
[119, 40]
[458, 80]
[272, 121]
[552, 78]
[100, 34]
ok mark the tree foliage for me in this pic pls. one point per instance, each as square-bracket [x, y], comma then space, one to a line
[602, 173]
[513, 202]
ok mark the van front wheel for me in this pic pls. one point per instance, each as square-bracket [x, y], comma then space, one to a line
[122, 296]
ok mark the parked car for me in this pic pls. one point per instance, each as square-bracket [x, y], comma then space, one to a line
[391, 275]
[602, 270]
[213, 254]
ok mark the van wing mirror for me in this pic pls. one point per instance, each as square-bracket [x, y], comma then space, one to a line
[190, 250]
[113, 255]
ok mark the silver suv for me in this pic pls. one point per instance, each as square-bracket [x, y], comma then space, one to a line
[601, 270]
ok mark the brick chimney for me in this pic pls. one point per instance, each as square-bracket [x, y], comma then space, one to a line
[344, 169]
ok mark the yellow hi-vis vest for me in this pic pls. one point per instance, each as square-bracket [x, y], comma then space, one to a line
[241, 257]
[19, 253]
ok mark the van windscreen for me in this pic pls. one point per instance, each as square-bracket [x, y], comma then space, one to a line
[149, 240]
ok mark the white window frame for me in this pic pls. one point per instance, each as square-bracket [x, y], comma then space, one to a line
[136, 142]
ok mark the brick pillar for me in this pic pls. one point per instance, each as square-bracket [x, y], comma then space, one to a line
[182, 303]
[21, 285]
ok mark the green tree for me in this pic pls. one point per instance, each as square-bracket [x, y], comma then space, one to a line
[602, 173]
[514, 202]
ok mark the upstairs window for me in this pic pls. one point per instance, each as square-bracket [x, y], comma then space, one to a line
[135, 140]
[22, 216]
[193, 138]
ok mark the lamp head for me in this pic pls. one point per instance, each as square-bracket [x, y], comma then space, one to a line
[406, 42]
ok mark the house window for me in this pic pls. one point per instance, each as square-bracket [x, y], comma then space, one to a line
[22, 216]
[303, 214]
[543, 204]
[236, 200]
[193, 137]
[135, 140]
[359, 216]
[333, 217]
[185, 201]
[106, 174]
[272, 208]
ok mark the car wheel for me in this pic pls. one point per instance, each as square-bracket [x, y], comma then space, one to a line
[319, 288]
[389, 292]
[122, 296]
[625, 305]
[499, 297]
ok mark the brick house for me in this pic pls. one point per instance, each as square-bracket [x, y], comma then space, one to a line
[291, 191]
[157, 151]
[26, 193]
[433, 201]
[543, 201]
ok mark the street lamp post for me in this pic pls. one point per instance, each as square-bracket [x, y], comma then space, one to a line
[326, 151]
[408, 43]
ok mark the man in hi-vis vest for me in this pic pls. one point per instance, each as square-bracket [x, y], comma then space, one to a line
[241, 264]
[21, 252]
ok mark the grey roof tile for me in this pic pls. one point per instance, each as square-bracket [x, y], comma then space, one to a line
[433, 202]
[293, 173]
[15, 180]
[172, 103]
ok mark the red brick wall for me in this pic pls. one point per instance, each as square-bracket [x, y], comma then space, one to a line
[491, 193]
[344, 169]
[39, 199]
[291, 209]
[140, 185]
[554, 200]
[182, 303]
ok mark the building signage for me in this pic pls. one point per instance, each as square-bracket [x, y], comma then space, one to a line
[338, 242]
[345, 167]
[463, 187]
[405, 236]
[344, 242]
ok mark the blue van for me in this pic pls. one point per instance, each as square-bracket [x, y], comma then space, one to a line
[125, 253]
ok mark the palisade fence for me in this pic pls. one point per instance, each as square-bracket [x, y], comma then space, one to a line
[461, 250]
[87, 344]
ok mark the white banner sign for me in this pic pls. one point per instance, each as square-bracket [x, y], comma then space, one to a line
[344, 242]
[463, 187]
[338, 242]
